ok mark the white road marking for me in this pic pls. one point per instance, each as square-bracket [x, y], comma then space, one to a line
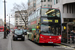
[66, 47]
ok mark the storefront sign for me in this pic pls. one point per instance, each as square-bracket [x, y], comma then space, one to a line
[34, 22]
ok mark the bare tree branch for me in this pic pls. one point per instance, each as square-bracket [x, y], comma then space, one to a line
[19, 8]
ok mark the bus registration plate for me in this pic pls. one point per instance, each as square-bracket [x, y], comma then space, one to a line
[50, 42]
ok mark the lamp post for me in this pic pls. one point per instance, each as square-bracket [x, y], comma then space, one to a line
[9, 21]
[5, 19]
[41, 3]
[41, 6]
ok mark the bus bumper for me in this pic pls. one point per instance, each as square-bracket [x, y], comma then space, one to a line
[45, 41]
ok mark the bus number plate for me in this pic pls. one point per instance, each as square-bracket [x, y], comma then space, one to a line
[50, 42]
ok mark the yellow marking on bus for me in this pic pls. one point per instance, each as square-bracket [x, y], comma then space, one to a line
[56, 21]
[50, 20]
[47, 20]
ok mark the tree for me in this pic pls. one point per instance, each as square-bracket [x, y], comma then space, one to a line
[21, 10]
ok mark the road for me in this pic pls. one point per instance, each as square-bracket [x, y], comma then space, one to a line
[29, 45]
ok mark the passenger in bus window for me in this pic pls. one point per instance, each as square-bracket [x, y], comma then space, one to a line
[49, 31]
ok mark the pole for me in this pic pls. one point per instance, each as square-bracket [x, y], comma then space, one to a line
[4, 19]
[9, 22]
[41, 6]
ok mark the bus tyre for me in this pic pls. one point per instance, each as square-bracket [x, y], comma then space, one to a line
[23, 39]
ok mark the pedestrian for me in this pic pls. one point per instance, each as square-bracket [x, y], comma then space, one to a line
[7, 30]
[73, 34]
[25, 31]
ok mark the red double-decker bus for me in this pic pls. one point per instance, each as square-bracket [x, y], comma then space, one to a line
[45, 26]
[1, 28]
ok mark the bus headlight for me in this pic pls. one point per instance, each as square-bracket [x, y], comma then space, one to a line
[42, 37]
[59, 37]
[23, 35]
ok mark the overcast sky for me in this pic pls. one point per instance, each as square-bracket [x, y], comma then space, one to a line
[9, 6]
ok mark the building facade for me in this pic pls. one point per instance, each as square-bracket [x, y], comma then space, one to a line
[31, 6]
[67, 9]
[11, 26]
[35, 4]
[44, 3]
[1, 22]
[18, 20]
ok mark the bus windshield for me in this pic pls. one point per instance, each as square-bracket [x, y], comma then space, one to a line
[49, 12]
[50, 30]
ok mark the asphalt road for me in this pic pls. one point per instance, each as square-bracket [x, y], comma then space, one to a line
[9, 44]
[29, 45]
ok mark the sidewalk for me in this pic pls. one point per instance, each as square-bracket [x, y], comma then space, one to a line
[4, 43]
[70, 45]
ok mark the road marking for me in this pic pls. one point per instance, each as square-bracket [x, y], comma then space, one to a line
[66, 47]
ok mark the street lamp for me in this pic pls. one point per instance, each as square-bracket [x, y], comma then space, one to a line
[41, 3]
[9, 21]
[41, 6]
[5, 19]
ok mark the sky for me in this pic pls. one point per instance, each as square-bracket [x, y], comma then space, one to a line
[9, 6]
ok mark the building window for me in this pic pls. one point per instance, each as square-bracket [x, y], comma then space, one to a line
[48, 5]
[16, 18]
[44, 5]
[72, 8]
[63, 9]
[49, 0]
[51, 5]
[34, 4]
[56, 1]
[16, 21]
[44, 0]
[67, 8]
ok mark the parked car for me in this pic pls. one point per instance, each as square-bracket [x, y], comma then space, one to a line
[18, 34]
